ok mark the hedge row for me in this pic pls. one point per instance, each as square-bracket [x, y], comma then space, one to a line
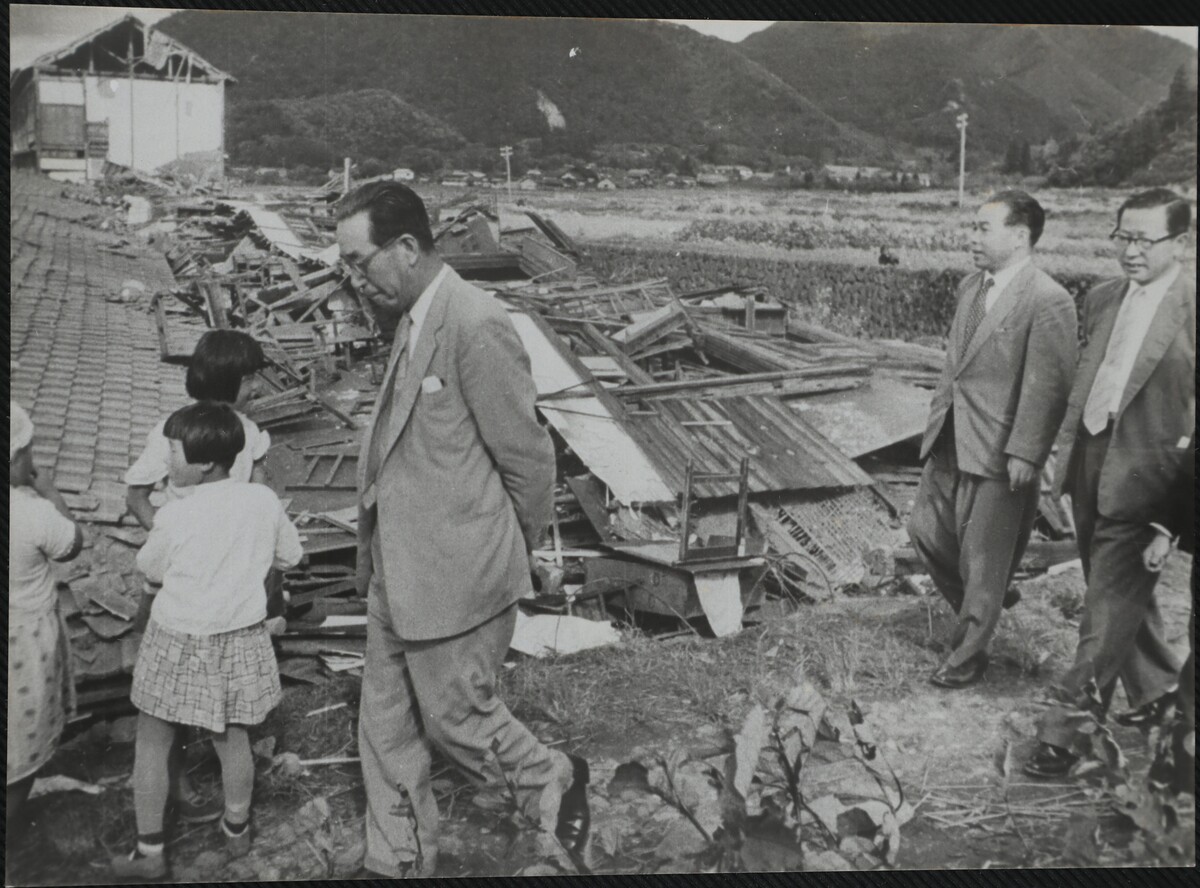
[866, 301]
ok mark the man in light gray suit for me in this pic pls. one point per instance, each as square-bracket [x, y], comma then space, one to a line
[992, 423]
[456, 486]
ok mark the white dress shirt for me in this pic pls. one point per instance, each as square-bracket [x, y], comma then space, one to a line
[1000, 280]
[1135, 316]
[421, 307]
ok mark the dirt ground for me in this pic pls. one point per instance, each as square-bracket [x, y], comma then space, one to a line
[619, 704]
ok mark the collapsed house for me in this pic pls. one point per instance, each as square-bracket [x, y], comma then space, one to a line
[126, 95]
[713, 448]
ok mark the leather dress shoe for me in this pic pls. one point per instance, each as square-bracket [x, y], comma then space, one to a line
[1049, 760]
[960, 676]
[574, 815]
[1153, 713]
[1011, 598]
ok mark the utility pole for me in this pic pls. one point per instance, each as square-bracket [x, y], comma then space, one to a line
[506, 152]
[346, 176]
[961, 123]
[132, 140]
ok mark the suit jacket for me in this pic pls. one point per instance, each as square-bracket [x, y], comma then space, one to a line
[465, 486]
[1009, 391]
[1156, 418]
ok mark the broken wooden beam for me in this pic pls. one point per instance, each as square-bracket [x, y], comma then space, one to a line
[685, 387]
[269, 295]
[651, 327]
[931, 359]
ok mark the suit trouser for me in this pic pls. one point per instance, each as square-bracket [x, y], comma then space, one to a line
[1185, 762]
[440, 692]
[1121, 631]
[970, 532]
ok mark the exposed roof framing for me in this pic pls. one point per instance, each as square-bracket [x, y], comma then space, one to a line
[107, 50]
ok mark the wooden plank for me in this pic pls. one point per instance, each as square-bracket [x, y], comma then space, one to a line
[700, 385]
[650, 328]
[269, 295]
[590, 495]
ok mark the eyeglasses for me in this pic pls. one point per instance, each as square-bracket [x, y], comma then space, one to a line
[361, 265]
[1142, 243]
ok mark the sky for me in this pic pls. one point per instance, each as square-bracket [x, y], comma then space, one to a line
[35, 30]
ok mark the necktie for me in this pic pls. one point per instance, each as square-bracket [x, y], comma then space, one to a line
[1110, 379]
[975, 313]
[387, 391]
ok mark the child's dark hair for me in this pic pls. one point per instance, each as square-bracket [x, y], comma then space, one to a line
[221, 359]
[209, 431]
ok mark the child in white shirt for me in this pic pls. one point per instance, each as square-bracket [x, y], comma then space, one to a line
[224, 368]
[40, 686]
[206, 659]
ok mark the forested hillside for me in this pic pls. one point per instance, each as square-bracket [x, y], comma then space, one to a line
[573, 84]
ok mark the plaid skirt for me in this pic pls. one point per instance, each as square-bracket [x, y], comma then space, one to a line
[208, 681]
[41, 690]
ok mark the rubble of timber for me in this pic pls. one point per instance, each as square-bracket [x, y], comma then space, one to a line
[714, 449]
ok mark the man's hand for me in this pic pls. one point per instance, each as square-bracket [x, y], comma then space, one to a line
[1155, 554]
[1020, 473]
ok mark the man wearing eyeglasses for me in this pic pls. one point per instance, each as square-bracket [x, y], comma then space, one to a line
[992, 422]
[1130, 422]
[455, 490]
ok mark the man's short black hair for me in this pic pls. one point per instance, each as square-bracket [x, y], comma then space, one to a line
[1179, 211]
[393, 209]
[221, 360]
[210, 431]
[1024, 210]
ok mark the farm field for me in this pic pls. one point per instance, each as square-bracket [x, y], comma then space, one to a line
[926, 230]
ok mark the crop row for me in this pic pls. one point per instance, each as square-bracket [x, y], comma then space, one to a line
[870, 301]
[811, 234]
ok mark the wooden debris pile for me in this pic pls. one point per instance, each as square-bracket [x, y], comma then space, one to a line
[653, 398]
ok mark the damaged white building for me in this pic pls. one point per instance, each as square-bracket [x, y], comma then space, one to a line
[127, 95]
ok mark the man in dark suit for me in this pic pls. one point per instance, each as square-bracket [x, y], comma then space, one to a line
[1175, 764]
[455, 490]
[992, 422]
[1130, 422]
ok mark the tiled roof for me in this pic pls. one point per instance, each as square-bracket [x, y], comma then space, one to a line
[89, 370]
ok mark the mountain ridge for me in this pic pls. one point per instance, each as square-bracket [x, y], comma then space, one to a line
[312, 87]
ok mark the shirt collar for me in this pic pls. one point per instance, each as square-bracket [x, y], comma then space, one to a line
[1004, 277]
[1156, 289]
[421, 306]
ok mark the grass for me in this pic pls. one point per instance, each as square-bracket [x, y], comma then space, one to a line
[645, 687]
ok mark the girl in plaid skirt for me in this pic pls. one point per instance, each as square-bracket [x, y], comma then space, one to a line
[223, 367]
[206, 658]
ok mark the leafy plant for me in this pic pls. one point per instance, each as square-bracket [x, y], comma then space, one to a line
[765, 820]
